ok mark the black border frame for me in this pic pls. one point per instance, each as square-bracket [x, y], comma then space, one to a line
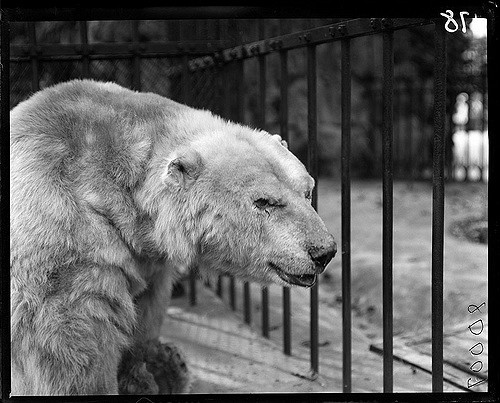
[16, 11]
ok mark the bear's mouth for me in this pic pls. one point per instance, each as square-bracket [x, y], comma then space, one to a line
[303, 280]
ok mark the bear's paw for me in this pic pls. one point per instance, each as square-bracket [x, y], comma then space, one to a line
[168, 365]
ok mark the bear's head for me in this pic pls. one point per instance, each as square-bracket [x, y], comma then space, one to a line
[235, 200]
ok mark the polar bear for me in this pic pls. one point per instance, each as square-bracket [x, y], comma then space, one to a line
[111, 191]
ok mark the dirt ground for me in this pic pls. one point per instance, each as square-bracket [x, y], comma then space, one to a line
[465, 262]
[465, 277]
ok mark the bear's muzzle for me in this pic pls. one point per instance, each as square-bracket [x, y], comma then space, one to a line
[321, 255]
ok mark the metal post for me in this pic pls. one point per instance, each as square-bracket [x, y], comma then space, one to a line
[232, 293]
[312, 163]
[136, 60]
[287, 329]
[35, 79]
[484, 93]
[240, 102]
[262, 124]
[185, 95]
[387, 211]
[411, 111]
[85, 50]
[467, 167]
[438, 206]
[5, 350]
[247, 303]
[219, 286]
[240, 117]
[346, 213]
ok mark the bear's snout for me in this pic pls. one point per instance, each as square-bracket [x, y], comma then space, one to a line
[321, 255]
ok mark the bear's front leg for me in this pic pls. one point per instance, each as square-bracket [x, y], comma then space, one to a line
[153, 366]
[71, 344]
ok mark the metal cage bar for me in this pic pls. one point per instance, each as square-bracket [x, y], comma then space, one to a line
[247, 303]
[346, 212]
[240, 117]
[312, 162]
[411, 113]
[35, 68]
[438, 206]
[185, 96]
[136, 60]
[232, 293]
[85, 52]
[387, 209]
[287, 314]
[230, 69]
[262, 124]
[219, 286]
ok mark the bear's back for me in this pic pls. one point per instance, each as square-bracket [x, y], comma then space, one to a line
[74, 145]
[64, 110]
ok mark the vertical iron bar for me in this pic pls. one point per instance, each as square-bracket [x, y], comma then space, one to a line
[232, 293]
[247, 303]
[5, 350]
[483, 120]
[219, 286]
[265, 312]
[185, 80]
[240, 117]
[229, 112]
[312, 163]
[411, 108]
[346, 213]
[438, 206]
[228, 69]
[387, 201]
[218, 89]
[287, 329]
[466, 128]
[240, 103]
[262, 124]
[185, 95]
[85, 51]
[35, 79]
[136, 60]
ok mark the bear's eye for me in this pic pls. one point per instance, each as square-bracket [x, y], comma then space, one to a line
[263, 203]
[308, 194]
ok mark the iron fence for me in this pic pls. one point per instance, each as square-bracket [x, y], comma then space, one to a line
[310, 40]
[212, 75]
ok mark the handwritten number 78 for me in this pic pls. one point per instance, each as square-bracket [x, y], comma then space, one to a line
[449, 16]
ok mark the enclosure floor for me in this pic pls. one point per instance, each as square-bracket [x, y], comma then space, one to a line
[228, 356]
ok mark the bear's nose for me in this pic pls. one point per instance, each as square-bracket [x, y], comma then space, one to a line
[321, 256]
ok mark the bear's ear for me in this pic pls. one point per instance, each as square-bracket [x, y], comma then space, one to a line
[281, 141]
[184, 168]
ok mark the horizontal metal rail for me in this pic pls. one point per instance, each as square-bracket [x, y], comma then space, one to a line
[315, 36]
[116, 50]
